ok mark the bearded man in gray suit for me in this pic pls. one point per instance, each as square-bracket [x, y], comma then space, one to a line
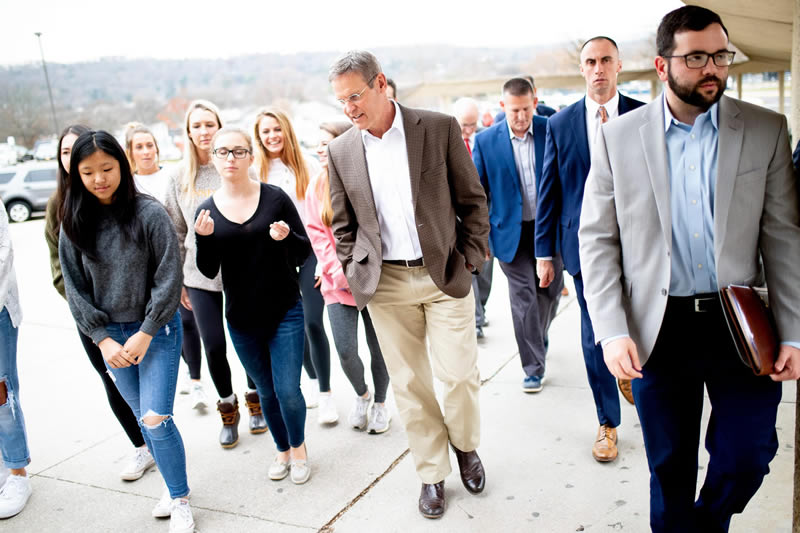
[411, 228]
[683, 197]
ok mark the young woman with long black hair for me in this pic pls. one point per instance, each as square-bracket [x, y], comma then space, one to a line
[141, 460]
[281, 162]
[251, 232]
[195, 180]
[122, 275]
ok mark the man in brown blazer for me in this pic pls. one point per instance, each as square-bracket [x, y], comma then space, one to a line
[411, 228]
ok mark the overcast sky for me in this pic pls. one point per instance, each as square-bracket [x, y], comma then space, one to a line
[83, 30]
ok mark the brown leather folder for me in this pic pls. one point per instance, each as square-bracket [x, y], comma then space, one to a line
[752, 326]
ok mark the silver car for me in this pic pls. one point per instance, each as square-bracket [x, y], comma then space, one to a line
[26, 187]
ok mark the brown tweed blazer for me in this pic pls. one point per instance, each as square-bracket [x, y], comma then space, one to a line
[449, 205]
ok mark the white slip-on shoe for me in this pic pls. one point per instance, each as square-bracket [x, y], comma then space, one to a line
[278, 469]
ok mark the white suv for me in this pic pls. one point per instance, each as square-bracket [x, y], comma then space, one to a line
[26, 187]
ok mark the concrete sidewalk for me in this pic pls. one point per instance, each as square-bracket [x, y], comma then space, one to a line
[536, 448]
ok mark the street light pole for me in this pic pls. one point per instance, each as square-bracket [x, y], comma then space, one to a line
[38, 34]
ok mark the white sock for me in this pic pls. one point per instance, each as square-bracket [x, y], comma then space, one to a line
[228, 399]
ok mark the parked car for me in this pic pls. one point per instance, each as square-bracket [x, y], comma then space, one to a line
[23, 154]
[45, 150]
[26, 187]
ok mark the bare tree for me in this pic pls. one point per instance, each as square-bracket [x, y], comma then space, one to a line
[23, 114]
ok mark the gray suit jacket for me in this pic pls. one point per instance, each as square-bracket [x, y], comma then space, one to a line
[449, 205]
[626, 230]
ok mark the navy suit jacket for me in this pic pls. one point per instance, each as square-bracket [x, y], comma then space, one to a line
[493, 156]
[564, 170]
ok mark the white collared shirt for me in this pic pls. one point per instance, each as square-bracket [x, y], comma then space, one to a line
[387, 166]
[593, 119]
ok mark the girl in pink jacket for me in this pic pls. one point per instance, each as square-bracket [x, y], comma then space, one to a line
[342, 310]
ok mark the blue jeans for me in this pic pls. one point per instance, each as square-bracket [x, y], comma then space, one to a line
[275, 363]
[13, 439]
[149, 389]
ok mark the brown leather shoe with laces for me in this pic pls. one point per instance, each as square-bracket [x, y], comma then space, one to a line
[605, 446]
[626, 389]
[258, 424]
[229, 411]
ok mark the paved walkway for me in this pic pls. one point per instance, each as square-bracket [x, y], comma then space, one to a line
[536, 448]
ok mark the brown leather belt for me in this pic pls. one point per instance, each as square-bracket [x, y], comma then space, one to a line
[408, 264]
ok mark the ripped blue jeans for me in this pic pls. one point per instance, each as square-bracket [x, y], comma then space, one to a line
[149, 389]
[13, 439]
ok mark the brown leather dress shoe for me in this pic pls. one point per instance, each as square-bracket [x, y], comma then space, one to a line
[626, 390]
[472, 474]
[605, 446]
[431, 500]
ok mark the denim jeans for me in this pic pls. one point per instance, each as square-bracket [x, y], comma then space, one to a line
[275, 363]
[13, 439]
[149, 389]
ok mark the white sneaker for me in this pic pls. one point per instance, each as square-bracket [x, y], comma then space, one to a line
[358, 414]
[140, 461]
[278, 469]
[180, 518]
[327, 409]
[14, 495]
[379, 419]
[184, 383]
[199, 399]
[311, 393]
[163, 508]
[4, 473]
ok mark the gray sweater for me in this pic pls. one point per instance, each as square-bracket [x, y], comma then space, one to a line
[181, 208]
[128, 282]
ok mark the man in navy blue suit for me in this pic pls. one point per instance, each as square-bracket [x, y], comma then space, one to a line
[509, 158]
[570, 137]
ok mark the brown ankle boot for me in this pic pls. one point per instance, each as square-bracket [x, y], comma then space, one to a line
[258, 424]
[229, 436]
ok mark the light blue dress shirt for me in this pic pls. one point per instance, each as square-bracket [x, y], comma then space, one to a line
[692, 153]
[525, 161]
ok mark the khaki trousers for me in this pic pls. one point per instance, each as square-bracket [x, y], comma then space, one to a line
[408, 309]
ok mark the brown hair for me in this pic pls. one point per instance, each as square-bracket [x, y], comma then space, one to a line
[291, 155]
[323, 184]
[132, 129]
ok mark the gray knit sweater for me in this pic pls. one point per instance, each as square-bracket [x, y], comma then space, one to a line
[181, 208]
[128, 282]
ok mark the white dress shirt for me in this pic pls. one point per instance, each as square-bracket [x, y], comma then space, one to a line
[387, 166]
[282, 176]
[593, 119]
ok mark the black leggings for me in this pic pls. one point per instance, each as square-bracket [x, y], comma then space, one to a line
[192, 351]
[118, 405]
[208, 313]
[316, 349]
